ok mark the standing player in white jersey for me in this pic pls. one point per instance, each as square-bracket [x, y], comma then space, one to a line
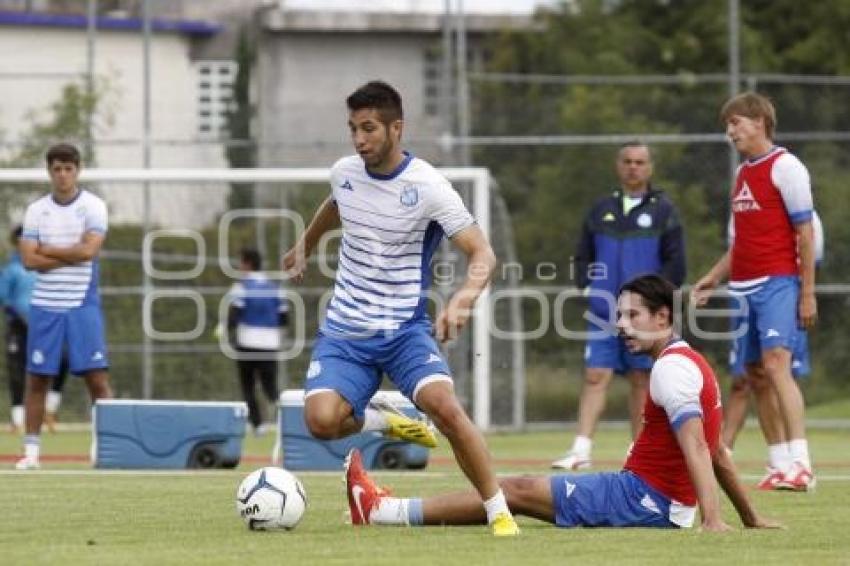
[770, 264]
[63, 234]
[394, 209]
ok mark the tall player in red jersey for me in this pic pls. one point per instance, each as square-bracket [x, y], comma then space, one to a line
[770, 265]
[673, 468]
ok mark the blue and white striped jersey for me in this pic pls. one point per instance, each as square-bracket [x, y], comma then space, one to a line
[391, 226]
[63, 225]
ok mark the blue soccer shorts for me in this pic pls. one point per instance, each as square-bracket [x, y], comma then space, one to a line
[610, 352]
[608, 499]
[800, 360]
[354, 367]
[770, 320]
[78, 331]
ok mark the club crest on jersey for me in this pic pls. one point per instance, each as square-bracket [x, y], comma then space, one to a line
[409, 196]
[744, 201]
[644, 220]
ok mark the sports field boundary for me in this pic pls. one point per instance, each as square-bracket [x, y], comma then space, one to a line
[542, 426]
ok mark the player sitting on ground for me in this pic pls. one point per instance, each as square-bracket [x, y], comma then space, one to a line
[675, 465]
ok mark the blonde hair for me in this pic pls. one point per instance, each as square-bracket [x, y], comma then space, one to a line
[751, 105]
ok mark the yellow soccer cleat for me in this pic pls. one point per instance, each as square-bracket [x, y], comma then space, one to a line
[504, 525]
[411, 430]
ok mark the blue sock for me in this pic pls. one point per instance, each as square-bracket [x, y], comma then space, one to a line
[415, 516]
[32, 439]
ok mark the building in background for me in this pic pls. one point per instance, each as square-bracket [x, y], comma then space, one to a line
[42, 52]
[309, 55]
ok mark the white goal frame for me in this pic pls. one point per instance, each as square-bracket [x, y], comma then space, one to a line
[478, 177]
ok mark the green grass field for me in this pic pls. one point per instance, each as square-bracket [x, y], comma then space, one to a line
[67, 514]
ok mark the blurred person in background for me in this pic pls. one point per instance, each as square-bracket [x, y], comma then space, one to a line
[256, 315]
[16, 284]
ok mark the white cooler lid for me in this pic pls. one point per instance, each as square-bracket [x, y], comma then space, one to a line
[170, 402]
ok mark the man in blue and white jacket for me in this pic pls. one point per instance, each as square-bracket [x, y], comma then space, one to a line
[257, 313]
[633, 231]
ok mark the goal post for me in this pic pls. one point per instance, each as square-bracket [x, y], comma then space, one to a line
[477, 180]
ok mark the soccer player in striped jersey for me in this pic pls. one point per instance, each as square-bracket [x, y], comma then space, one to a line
[62, 236]
[673, 468]
[394, 209]
[770, 264]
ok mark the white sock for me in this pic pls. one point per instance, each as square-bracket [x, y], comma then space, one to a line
[374, 420]
[495, 505]
[800, 451]
[54, 399]
[582, 445]
[18, 416]
[390, 511]
[779, 456]
[32, 446]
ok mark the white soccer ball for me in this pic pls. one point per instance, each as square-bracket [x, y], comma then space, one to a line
[270, 499]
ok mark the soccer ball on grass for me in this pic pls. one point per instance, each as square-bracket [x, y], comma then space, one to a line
[271, 499]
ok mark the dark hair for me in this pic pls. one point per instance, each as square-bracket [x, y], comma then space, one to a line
[656, 292]
[63, 152]
[15, 234]
[252, 257]
[751, 105]
[380, 96]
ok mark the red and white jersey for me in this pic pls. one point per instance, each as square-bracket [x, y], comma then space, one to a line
[772, 193]
[682, 385]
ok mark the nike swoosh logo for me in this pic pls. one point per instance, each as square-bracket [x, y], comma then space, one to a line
[357, 492]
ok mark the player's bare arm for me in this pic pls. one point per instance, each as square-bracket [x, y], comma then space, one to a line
[727, 477]
[482, 262]
[808, 307]
[702, 289]
[33, 258]
[86, 250]
[294, 261]
[695, 449]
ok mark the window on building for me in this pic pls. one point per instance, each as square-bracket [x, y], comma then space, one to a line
[215, 96]
[432, 68]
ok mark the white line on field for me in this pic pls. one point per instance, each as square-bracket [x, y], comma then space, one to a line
[305, 473]
[213, 473]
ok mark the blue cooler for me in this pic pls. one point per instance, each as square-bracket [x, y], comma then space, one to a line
[168, 434]
[301, 451]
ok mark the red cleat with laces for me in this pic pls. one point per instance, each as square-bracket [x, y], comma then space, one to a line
[363, 494]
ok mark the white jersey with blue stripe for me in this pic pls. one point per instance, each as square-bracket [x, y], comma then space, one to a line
[391, 226]
[63, 225]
